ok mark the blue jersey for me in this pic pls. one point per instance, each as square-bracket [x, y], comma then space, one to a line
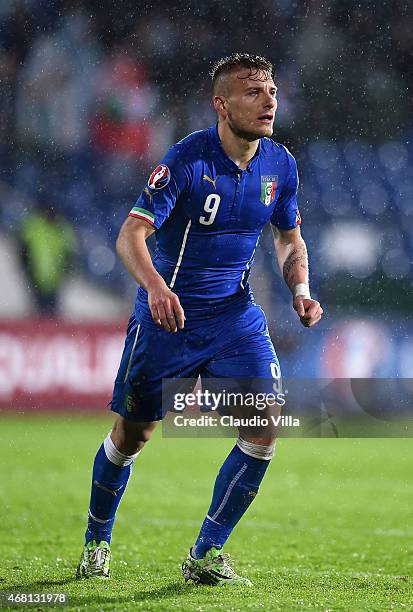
[209, 215]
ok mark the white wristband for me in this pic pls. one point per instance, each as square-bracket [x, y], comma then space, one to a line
[302, 289]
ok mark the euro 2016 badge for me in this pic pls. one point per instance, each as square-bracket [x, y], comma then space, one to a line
[160, 177]
[268, 189]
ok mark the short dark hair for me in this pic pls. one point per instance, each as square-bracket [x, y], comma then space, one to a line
[255, 63]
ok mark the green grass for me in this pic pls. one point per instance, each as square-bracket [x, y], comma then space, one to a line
[330, 530]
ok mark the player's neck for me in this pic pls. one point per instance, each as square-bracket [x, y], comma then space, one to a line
[240, 150]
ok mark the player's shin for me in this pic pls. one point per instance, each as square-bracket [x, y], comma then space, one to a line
[111, 472]
[235, 488]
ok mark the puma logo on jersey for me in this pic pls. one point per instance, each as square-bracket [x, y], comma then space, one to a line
[146, 190]
[210, 180]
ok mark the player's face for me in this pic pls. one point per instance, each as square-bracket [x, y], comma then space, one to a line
[251, 104]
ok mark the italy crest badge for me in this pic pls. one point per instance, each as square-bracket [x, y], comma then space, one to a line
[268, 189]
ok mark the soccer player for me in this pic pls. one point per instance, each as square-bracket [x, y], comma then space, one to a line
[208, 202]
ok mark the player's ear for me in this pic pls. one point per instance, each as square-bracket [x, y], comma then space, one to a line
[220, 105]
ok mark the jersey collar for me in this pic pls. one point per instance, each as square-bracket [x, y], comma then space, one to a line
[218, 149]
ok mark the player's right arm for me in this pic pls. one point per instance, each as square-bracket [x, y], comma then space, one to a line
[131, 247]
[166, 184]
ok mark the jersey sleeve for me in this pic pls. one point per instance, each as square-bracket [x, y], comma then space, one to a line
[286, 214]
[165, 184]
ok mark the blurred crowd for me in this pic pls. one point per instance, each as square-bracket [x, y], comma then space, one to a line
[92, 94]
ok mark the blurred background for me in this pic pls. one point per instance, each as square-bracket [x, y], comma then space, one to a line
[92, 95]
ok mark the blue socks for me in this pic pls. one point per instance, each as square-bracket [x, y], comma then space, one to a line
[235, 487]
[111, 472]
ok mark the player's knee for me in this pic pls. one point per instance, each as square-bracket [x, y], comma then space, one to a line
[145, 434]
[261, 448]
[130, 437]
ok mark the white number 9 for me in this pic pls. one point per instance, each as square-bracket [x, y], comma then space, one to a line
[211, 207]
[276, 374]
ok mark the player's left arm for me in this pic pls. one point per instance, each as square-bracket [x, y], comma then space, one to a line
[292, 258]
[290, 246]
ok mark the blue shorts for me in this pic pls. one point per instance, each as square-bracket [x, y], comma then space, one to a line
[233, 345]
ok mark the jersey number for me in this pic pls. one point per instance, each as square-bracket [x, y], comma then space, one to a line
[211, 206]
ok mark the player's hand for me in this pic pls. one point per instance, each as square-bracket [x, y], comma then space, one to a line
[165, 307]
[309, 311]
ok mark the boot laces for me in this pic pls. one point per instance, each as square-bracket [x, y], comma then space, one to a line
[98, 556]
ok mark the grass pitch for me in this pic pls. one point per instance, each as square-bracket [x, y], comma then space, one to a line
[331, 528]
